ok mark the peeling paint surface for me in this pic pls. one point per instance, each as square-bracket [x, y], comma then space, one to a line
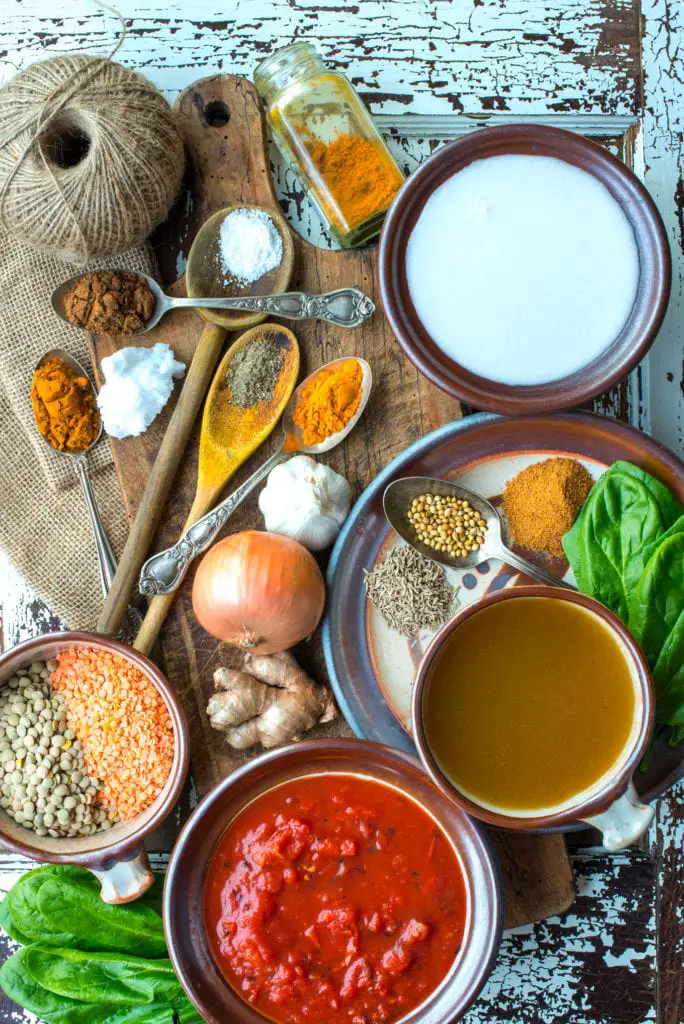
[616, 957]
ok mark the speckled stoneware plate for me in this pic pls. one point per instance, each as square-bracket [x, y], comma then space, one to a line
[371, 667]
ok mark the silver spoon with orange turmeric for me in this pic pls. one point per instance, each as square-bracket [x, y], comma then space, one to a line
[65, 409]
[67, 418]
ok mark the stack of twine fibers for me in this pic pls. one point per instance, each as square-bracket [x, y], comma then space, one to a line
[90, 162]
[90, 157]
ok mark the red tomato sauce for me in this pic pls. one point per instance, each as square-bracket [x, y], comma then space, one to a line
[333, 899]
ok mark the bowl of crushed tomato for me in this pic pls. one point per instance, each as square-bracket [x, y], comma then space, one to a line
[331, 881]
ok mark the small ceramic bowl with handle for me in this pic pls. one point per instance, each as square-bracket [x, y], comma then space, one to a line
[184, 890]
[116, 856]
[611, 803]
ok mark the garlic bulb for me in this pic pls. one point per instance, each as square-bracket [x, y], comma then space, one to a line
[307, 501]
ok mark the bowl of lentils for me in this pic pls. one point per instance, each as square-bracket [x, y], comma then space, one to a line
[93, 756]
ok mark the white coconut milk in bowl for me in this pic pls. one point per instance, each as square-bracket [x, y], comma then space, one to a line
[524, 269]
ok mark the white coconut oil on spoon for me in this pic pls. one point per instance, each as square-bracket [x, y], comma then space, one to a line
[523, 269]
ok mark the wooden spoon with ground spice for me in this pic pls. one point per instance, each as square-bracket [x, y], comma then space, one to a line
[328, 396]
[249, 392]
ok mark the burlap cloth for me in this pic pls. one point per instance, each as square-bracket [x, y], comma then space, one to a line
[44, 525]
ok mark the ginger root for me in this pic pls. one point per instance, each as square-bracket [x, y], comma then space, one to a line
[271, 701]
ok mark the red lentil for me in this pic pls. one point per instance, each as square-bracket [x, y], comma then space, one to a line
[123, 725]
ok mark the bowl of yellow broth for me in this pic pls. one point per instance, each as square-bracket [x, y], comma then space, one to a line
[532, 709]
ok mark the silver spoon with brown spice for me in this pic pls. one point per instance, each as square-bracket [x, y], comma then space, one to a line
[344, 307]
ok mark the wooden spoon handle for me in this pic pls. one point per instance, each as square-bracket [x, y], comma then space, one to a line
[161, 478]
[155, 617]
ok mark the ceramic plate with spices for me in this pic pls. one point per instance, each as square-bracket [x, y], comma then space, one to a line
[371, 666]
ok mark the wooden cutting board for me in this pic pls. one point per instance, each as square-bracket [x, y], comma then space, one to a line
[223, 128]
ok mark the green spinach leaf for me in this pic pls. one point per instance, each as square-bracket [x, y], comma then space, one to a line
[659, 598]
[619, 518]
[8, 924]
[18, 984]
[187, 1014]
[670, 508]
[626, 549]
[60, 905]
[83, 966]
[625, 515]
[94, 977]
[636, 568]
[668, 680]
[657, 621]
[158, 1014]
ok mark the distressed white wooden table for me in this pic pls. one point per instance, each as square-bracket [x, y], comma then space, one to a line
[422, 66]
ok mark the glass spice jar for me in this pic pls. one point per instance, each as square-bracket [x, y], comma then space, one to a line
[325, 133]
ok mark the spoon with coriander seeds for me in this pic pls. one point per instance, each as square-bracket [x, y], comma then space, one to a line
[454, 526]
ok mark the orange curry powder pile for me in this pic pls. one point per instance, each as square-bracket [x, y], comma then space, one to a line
[327, 402]
[64, 406]
[361, 179]
[122, 723]
[542, 502]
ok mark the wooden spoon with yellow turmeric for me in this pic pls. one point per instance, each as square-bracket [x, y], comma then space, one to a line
[321, 413]
[233, 427]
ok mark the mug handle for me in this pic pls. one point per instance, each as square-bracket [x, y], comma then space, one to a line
[624, 821]
[125, 880]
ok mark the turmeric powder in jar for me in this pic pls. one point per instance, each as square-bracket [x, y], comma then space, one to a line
[325, 133]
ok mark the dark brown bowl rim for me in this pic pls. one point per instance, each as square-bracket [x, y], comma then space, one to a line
[601, 800]
[472, 842]
[121, 849]
[598, 376]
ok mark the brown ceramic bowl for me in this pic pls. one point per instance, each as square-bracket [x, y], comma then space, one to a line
[185, 878]
[654, 271]
[612, 805]
[117, 856]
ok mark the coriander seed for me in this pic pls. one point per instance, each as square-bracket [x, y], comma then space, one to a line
[447, 524]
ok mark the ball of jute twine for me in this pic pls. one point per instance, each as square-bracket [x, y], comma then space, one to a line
[90, 157]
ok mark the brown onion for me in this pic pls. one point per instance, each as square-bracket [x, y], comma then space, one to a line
[259, 591]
